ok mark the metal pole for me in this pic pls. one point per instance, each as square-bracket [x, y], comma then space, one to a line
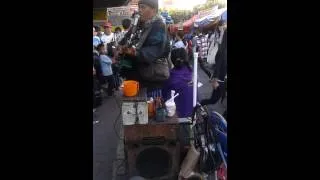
[195, 78]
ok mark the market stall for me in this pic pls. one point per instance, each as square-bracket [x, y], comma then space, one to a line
[115, 15]
[186, 26]
[152, 137]
[212, 17]
[205, 20]
[162, 148]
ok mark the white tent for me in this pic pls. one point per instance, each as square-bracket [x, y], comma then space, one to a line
[209, 18]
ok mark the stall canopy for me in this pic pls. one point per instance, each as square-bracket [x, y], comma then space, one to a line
[224, 16]
[187, 25]
[211, 17]
[202, 19]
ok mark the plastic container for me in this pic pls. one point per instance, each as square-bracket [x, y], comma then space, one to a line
[171, 108]
[151, 108]
[130, 88]
[161, 114]
[171, 105]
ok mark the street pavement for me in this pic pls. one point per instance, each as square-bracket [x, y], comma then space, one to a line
[105, 139]
[107, 147]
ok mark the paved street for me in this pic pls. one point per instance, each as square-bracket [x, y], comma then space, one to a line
[105, 140]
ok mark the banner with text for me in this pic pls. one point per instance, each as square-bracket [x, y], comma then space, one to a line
[117, 14]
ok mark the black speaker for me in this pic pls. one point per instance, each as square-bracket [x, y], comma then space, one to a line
[153, 158]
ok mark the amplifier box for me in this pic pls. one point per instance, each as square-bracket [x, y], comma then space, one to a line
[135, 109]
[158, 160]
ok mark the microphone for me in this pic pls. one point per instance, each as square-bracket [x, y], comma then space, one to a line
[136, 19]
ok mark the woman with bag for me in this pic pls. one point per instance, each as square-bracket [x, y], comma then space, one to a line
[180, 81]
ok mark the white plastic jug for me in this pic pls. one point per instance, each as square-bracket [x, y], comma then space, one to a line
[171, 105]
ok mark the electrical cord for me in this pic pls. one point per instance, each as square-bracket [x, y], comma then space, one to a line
[121, 165]
[117, 134]
[117, 119]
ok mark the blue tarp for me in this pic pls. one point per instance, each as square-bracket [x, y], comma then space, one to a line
[167, 17]
[224, 16]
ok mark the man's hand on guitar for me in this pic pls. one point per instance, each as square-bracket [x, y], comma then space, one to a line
[129, 51]
[120, 49]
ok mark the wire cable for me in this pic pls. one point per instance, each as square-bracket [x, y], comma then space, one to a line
[117, 119]
[121, 165]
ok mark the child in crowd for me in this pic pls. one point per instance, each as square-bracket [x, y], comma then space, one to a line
[106, 68]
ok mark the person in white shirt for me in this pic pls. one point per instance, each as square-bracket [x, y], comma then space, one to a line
[118, 35]
[108, 35]
[220, 31]
[179, 43]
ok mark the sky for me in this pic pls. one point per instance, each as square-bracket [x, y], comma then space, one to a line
[183, 4]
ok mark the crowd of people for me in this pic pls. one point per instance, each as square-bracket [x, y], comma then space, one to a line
[211, 46]
[106, 72]
[159, 60]
[212, 49]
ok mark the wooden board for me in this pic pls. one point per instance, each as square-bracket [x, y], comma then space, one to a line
[141, 96]
[138, 133]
